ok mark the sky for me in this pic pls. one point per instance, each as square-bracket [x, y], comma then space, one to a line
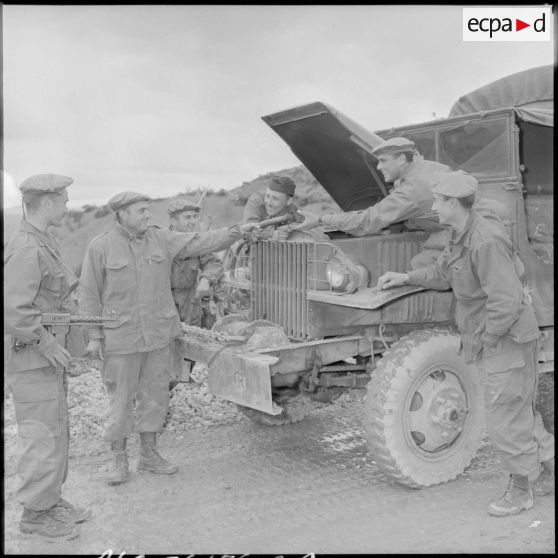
[167, 99]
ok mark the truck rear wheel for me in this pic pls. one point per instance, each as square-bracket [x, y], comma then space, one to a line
[424, 410]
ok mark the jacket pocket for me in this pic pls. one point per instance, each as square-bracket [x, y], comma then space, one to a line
[54, 281]
[155, 258]
[36, 404]
[116, 266]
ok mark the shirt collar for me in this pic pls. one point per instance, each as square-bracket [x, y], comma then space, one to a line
[465, 235]
[127, 234]
[26, 226]
[408, 170]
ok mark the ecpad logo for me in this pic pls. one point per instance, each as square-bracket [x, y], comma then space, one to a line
[507, 24]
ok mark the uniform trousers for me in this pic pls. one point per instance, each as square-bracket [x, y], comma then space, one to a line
[142, 377]
[41, 410]
[514, 426]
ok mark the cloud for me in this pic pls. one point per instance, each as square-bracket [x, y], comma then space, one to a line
[166, 97]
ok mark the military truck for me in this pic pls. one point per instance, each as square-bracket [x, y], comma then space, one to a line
[424, 406]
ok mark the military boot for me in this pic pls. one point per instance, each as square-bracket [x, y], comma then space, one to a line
[545, 481]
[69, 513]
[118, 473]
[517, 497]
[46, 524]
[150, 460]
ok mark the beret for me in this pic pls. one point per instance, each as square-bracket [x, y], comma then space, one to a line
[182, 204]
[282, 184]
[394, 145]
[458, 184]
[121, 200]
[45, 184]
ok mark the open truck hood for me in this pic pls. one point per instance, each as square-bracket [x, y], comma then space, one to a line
[336, 150]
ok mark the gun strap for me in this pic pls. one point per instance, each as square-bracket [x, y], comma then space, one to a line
[61, 261]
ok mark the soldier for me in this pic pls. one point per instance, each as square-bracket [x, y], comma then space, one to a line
[35, 281]
[126, 273]
[498, 330]
[277, 201]
[410, 200]
[191, 277]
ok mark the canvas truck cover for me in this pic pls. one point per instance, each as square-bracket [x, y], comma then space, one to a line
[335, 149]
[530, 93]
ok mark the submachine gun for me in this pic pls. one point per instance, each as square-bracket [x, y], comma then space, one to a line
[59, 324]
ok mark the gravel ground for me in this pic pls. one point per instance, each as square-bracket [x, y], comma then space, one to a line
[310, 486]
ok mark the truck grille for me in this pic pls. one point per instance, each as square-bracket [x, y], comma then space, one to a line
[279, 282]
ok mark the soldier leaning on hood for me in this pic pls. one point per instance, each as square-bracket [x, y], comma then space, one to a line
[499, 332]
[126, 270]
[36, 282]
[410, 201]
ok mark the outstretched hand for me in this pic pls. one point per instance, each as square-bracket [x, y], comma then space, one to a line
[311, 221]
[246, 228]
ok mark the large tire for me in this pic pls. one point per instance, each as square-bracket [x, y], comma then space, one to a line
[424, 410]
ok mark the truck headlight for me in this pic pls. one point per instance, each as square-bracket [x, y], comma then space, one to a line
[337, 276]
[329, 268]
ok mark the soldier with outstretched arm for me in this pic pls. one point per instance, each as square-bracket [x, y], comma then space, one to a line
[37, 291]
[499, 332]
[126, 273]
[410, 200]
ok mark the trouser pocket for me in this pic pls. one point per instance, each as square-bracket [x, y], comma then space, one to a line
[36, 402]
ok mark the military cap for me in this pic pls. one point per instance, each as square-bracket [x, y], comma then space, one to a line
[45, 184]
[181, 204]
[458, 184]
[282, 184]
[393, 145]
[123, 199]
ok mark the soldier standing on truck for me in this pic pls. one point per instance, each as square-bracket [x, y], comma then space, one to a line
[126, 271]
[191, 278]
[275, 202]
[499, 330]
[36, 282]
[410, 200]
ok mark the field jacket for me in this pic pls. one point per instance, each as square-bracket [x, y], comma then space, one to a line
[186, 272]
[410, 200]
[479, 266]
[35, 281]
[128, 278]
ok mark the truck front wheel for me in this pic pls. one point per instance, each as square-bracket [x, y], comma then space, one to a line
[424, 410]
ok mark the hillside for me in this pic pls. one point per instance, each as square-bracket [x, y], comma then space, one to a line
[220, 209]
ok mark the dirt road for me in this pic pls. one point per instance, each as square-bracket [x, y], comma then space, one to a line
[308, 487]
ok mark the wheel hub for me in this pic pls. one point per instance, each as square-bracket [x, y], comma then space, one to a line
[437, 411]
